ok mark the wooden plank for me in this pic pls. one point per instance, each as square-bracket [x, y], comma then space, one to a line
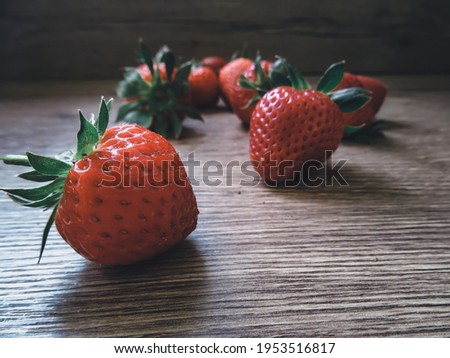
[51, 39]
[371, 259]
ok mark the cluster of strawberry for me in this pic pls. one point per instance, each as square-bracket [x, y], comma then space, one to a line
[290, 123]
[158, 94]
[123, 195]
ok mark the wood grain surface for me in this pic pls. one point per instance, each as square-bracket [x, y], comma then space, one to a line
[95, 39]
[371, 259]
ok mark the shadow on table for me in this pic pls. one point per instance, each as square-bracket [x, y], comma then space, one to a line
[375, 134]
[348, 183]
[153, 298]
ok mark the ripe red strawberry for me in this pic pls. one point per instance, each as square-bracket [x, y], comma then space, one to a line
[229, 76]
[240, 97]
[214, 62]
[156, 93]
[123, 197]
[294, 124]
[204, 87]
[366, 114]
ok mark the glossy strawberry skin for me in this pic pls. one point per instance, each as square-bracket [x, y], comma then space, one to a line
[204, 87]
[229, 75]
[121, 204]
[366, 114]
[240, 97]
[292, 126]
[214, 62]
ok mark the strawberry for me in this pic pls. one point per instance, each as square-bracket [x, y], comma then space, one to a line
[292, 125]
[156, 93]
[229, 76]
[240, 98]
[203, 86]
[214, 62]
[365, 115]
[121, 198]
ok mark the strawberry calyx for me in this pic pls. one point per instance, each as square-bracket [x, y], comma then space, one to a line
[365, 134]
[284, 74]
[53, 170]
[159, 104]
[261, 84]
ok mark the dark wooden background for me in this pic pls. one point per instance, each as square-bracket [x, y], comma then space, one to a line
[52, 39]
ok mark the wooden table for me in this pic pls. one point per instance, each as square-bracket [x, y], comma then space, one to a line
[369, 259]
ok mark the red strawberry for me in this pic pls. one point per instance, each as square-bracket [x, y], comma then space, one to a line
[229, 76]
[123, 197]
[240, 97]
[151, 99]
[292, 125]
[366, 114]
[204, 87]
[214, 62]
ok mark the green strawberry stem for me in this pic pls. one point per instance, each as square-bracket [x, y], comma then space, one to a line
[159, 104]
[53, 170]
[284, 74]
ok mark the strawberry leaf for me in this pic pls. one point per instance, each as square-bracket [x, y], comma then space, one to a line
[353, 104]
[146, 55]
[168, 58]
[364, 134]
[260, 75]
[101, 122]
[36, 176]
[127, 108]
[349, 130]
[183, 72]
[277, 74]
[109, 105]
[156, 77]
[331, 78]
[46, 231]
[296, 78]
[350, 99]
[162, 126]
[38, 193]
[175, 123]
[189, 111]
[254, 100]
[45, 203]
[245, 83]
[133, 85]
[48, 165]
[87, 138]
[13, 159]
